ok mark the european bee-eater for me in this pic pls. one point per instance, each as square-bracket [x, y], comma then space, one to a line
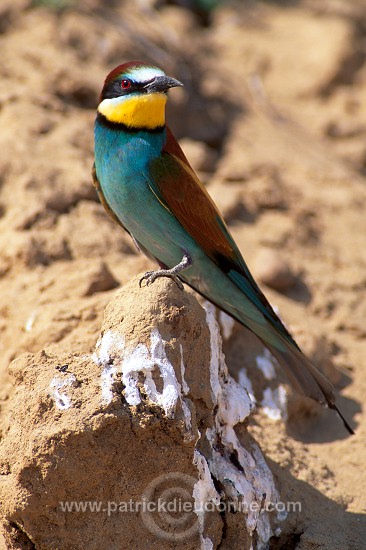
[147, 185]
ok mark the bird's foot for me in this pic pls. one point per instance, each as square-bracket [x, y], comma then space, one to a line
[151, 276]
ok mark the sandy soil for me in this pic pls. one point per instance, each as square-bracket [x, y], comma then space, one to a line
[273, 117]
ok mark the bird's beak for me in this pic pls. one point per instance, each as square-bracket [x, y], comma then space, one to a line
[162, 84]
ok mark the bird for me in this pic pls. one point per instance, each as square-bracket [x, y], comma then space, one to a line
[147, 185]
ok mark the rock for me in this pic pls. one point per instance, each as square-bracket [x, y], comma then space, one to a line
[274, 271]
[149, 417]
[100, 280]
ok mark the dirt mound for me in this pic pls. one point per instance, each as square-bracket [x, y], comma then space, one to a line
[150, 416]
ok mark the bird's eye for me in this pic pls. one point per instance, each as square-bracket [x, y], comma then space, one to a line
[125, 84]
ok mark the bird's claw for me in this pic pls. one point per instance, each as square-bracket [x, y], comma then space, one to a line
[151, 276]
[148, 277]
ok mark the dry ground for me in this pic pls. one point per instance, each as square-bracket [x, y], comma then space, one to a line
[273, 116]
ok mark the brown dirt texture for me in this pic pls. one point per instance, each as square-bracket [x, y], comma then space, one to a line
[273, 118]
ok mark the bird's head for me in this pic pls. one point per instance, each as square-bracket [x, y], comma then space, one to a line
[134, 94]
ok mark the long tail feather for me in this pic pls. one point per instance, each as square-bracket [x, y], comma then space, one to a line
[307, 379]
[346, 425]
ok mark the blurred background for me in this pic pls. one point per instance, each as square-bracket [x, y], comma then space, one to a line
[273, 118]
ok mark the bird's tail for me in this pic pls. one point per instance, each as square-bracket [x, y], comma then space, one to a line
[305, 378]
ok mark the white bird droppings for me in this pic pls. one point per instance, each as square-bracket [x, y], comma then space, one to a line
[265, 364]
[62, 400]
[30, 322]
[227, 324]
[109, 344]
[274, 402]
[138, 363]
[144, 360]
[250, 482]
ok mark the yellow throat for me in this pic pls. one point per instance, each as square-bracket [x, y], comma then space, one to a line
[136, 111]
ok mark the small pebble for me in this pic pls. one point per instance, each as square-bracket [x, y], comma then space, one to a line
[274, 271]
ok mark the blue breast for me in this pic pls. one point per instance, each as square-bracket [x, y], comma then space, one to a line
[122, 159]
[128, 152]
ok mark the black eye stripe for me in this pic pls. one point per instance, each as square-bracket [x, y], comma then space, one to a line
[138, 85]
[115, 89]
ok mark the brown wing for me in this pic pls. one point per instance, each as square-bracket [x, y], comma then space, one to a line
[179, 188]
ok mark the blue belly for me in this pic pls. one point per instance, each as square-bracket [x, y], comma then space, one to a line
[121, 162]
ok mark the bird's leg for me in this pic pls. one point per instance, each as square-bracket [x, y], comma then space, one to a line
[151, 276]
